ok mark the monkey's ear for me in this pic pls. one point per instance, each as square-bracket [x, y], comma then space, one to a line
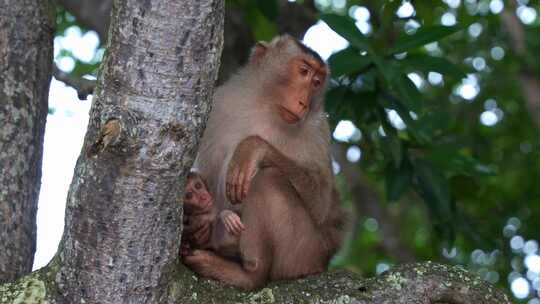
[258, 51]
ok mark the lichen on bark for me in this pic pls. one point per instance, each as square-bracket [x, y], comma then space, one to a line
[425, 282]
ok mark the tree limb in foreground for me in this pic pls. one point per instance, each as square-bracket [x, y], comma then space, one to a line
[423, 283]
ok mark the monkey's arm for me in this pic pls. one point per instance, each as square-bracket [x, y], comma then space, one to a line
[313, 184]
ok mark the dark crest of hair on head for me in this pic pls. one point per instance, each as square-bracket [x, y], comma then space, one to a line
[309, 51]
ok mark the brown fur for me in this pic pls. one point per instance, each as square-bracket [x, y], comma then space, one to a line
[204, 226]
[280, 171]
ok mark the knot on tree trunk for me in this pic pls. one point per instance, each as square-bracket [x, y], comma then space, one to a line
[117, 135]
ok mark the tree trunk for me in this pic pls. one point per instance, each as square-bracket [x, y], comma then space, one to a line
[26, 54]
[123, 213]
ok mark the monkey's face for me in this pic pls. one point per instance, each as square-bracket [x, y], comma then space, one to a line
[196, 198]
[296, 75]
[305, 79]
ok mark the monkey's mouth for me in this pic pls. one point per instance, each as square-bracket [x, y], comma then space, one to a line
[288, 116]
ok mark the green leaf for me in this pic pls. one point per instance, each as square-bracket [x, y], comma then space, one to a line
[421, 134]
[426, 63]
[345, 27]
[269, 8]
[388, 12]
[456, 162]
[423, 36]
[434, 188]
[409, 93]
[263, 29]
[348, 61]
[342, 103]
[391, 146]
[334, 100]
[388, 68]
[398, 181]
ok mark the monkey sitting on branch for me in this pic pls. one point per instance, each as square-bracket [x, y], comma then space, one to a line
[265, 155]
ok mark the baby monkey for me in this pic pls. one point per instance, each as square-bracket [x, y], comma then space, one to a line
[204, 227]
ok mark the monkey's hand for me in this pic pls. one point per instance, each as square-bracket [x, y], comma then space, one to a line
[232, 222]
[243, 167]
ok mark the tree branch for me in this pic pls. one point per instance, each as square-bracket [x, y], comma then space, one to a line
[424, 283]
[84, 87]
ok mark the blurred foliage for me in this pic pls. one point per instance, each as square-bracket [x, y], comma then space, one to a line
[65, 21]
[449, 171]
[449, 182]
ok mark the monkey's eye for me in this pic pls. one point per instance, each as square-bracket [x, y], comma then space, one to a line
[198, 185]
[304, 71]
[316, 82]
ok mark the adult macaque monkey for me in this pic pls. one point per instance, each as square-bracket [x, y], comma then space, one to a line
[265, 154]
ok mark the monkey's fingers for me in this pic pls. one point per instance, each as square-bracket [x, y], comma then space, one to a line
[231, 178]
[237, 224]
[247, 182]
[233, 224]
[234, 185]
[228, 226]
[242, 183]
[239, 186]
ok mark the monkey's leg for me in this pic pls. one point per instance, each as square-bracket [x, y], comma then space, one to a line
[251, 273]
[253, 270]
[247, 275]
[254, 246]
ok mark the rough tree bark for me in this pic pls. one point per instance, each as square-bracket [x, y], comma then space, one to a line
[26, 35]
[123, 226]
[123, 217]
[123, 209]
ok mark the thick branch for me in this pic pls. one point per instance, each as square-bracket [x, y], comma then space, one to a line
[84, 87]
[424, 283]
